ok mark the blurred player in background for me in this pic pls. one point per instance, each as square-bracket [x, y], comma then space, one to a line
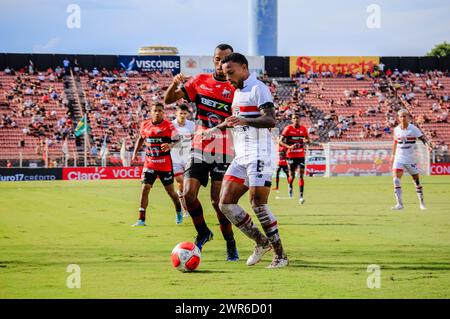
[252, 168]
[282, 164]
[159, 136]
[293, 138]
[212, 95]
[404, 157]
[181, 152]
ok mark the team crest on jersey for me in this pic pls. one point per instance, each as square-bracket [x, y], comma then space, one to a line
[226, 94]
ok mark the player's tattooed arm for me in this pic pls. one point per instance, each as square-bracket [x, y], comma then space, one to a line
[266, 120]
[137, 147]
[174, 93]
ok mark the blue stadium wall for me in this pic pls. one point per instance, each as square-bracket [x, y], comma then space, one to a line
[276, 66]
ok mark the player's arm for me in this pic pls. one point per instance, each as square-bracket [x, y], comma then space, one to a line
[266, 120]
[174, 140]
[165, 147]
[137, 147]
[426, 142]
[394, 149]
[308, 140]
[283, 139]
[174, 92]
[284, 142]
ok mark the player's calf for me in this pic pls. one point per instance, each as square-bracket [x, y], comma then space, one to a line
[270, 227]
[176, 202]
[244, 222]
[419, 191]
[398, 192]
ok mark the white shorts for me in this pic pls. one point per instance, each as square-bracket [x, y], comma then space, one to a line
[410, 168]
[253, 174]
[178, 168]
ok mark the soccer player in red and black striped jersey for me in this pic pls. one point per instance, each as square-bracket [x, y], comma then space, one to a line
[212, 95]
[282, 165]
[159, 136]
[293, 138]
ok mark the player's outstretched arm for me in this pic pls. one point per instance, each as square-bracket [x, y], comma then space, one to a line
[174, 93]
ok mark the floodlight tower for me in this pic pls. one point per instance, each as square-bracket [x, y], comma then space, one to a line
[263, 27]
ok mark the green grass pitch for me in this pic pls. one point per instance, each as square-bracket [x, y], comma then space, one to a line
[345, 225]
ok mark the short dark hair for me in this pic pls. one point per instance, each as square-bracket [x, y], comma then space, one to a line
[236, 58]
[224, 46]
[183, 107]
[157, 105]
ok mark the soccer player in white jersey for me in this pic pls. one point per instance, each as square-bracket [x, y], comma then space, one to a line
[403, 155]
[180, 153]
[254, 162]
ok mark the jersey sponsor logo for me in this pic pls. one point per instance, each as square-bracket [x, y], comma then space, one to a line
[154, 140]
[215, 104]
[213, 119]
[204, 87]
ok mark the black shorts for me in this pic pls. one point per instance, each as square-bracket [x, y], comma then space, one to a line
[295, 162]
[283, 168]
[149, 177]
[201, 170]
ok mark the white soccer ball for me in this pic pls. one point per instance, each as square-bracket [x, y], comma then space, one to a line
[186, 256]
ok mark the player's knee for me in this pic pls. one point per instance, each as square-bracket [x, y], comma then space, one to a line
[257, 200]
[189, 198]
[226, 209]
[146, 188]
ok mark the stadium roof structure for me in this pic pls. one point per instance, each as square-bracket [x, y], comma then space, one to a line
[158, 50]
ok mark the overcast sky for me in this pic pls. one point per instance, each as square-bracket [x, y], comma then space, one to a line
[195, 27]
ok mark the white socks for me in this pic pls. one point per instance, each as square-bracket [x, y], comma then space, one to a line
[244, 222]
[398, 191]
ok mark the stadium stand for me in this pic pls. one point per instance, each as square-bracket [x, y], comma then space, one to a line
[34, 115]
[39, 109]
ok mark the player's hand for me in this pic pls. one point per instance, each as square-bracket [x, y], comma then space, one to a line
[180, 78]
[233, 121]
[165, 147]
[208, 134]
[133, 158]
